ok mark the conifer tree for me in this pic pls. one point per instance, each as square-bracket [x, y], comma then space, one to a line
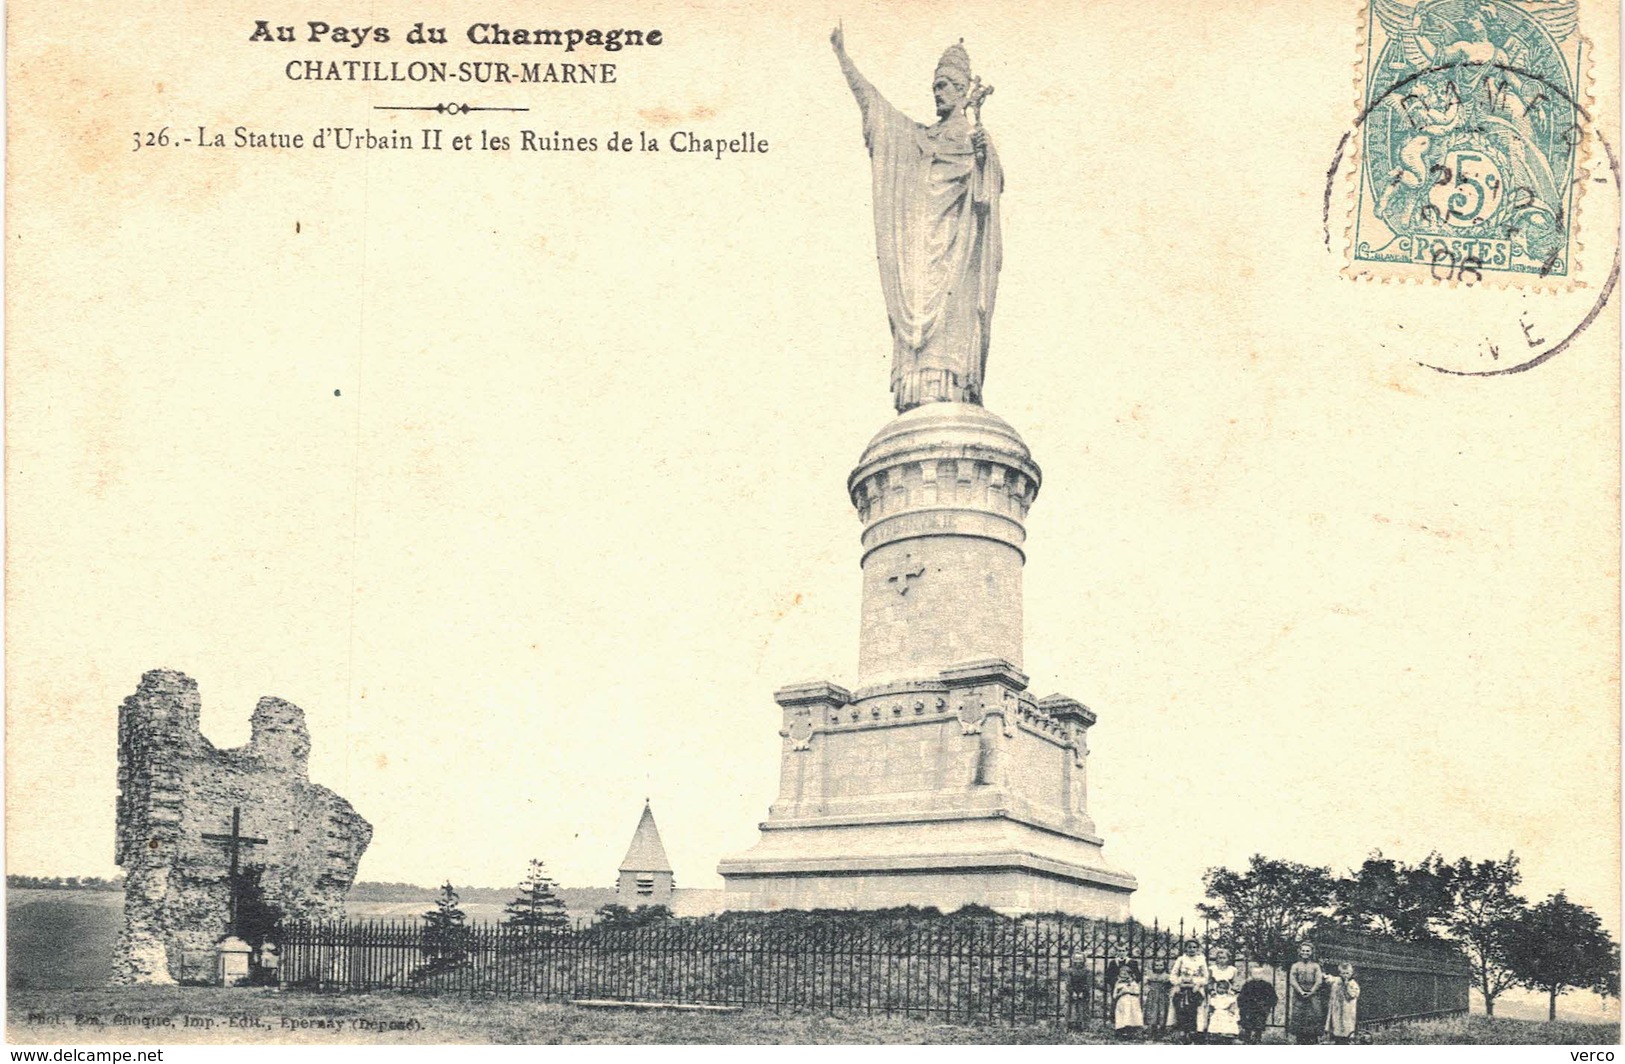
[445, 931]
[538, 905]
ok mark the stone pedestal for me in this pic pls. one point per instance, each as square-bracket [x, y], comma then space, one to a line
[940, 780]
[942, 492]
[231, 963]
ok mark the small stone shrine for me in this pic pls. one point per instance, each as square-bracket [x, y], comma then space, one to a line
[939, 780]
[194, 822]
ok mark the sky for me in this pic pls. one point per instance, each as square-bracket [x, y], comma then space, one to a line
[523, 473]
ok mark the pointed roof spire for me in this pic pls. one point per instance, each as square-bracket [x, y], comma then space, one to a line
[647, 853]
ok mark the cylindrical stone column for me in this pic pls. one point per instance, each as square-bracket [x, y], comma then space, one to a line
[943, 492]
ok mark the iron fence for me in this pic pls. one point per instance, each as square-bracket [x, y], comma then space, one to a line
[981, 970]
[1398, 980]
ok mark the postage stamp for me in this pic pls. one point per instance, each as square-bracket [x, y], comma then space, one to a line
[1472, 130]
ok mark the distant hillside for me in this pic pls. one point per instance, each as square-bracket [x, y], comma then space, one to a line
[1535, 1010]
[16, 882]
[399, 901]
[61, 937]
[574, 897]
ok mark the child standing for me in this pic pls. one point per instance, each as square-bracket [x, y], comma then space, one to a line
[1127, 1016]
[1222, 1014]
[1154, 999]
[1343, 1005]
[1256, 1001]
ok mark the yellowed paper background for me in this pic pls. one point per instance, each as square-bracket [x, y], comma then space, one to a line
[523, 472]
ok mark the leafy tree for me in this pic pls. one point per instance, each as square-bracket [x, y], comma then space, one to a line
[613, 915]
[1558, 946]
[1388, 897]
[445, 932]
[1484, 909]
[619, 916]
[58, 883]
[1267, 908]
[538, 905]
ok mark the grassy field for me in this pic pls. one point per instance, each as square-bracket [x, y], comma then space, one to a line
[1482, 1030]
[173, 1015]
[61, 938]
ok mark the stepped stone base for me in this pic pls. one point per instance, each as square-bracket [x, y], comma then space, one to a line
[961, 789]
[978, 859]
[941, 781]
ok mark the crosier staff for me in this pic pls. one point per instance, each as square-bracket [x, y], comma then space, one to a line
[974, 95]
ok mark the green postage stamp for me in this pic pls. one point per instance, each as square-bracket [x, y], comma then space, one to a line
[1473, 129]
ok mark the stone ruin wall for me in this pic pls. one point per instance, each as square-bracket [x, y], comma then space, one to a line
[174, 786]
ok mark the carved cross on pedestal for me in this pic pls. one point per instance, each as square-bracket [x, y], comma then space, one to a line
[900, 579]
[234, 843]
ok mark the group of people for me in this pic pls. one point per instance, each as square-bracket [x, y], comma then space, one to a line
[1202, 1000]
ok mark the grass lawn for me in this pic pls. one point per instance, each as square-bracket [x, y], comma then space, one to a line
[1482, 1030]
[61, 938]
[391, 1017]
[201, 1014]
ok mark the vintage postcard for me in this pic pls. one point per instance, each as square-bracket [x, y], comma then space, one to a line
[880, 523]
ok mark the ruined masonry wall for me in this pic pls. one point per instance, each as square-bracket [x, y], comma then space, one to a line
[174, 787]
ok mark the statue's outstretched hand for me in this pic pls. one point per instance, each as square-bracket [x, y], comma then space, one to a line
[978, 142]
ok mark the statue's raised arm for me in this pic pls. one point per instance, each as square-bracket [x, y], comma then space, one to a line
[862, 90]
[937, 239]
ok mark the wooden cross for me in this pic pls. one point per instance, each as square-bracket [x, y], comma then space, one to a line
[235, 842]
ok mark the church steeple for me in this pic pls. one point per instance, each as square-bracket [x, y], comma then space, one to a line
[645, 872]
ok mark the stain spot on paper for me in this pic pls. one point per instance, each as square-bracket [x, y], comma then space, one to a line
[665, 116]
[1399, 386]
[779, 615]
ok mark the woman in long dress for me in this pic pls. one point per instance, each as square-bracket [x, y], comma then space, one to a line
[1306, 1018]
[1223, 1013]
[1188, 977]
[1343, 1004]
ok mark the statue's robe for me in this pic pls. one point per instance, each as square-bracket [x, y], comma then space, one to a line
[937, 240]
